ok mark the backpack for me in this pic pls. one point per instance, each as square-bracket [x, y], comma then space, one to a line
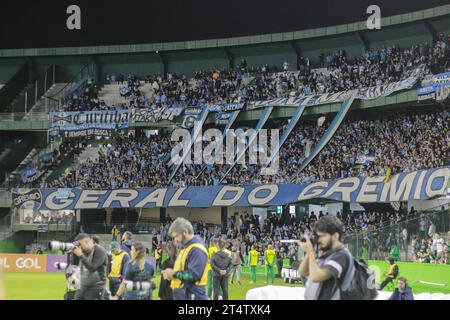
[359, 282]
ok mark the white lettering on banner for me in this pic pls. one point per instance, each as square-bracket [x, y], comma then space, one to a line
[4, 263]
[318, 188]
[396, 193]
[345, 191]
[368, 188]
[118, 195]
[64, 203]
[176, 201]
[89, 199]
[255, 201]
[27, 263]
[220, 202]
[363, 94]
[156, 197]
[183, 139]
[440, 173]
[419, 185]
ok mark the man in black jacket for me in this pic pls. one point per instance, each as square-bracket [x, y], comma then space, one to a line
[93, 261]
[221, 265]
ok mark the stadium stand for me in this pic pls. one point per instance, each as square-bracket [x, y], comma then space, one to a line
[359, 148]
[380, 136]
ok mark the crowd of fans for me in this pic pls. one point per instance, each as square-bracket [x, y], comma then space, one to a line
[368, 147]
[398, 143]
[53, 217]
[339, 72]
[380, 235]
[402, 143]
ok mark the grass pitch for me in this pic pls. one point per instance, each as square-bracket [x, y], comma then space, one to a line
[52, 286]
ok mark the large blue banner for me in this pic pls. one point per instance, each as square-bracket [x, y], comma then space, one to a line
[96, 121]
[416, 185]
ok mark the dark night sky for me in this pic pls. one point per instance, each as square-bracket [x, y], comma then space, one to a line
[42, 23]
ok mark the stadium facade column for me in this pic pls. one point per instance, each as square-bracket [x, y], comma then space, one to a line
[162, 215]
[298, 53]
[230, 57]
[223, 219]
[164, 61]
[108, 216]
[99, 71]
[346, 208]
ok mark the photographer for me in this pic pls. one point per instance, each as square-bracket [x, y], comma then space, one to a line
[93, 262]
[138, 271]
[326, 273]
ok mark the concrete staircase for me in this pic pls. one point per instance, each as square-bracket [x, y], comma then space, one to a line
[55, 92]
[16, 173]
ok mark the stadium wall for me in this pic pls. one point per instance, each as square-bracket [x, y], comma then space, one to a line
[207, 215]
[8, 67]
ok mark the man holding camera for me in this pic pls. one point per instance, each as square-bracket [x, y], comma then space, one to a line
[93, 261]
[325, 273]
[189, 274]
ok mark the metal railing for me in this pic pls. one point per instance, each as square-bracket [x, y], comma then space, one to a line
[22, 116]
[14, 86]
[35, 90]
[15, 181]
[5, 227]
[378, 243]
[76, 84]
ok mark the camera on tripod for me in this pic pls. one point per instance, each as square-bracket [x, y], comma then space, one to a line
[63, 246]
[139, 285]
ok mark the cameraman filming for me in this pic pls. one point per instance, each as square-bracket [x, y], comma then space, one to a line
[93, 261]
[327, 272]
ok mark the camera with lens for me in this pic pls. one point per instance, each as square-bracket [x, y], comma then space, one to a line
[61, 265]
[139, 285]
[313, 239]
[63, 246]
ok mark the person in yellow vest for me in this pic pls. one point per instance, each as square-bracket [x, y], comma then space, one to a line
[119, 263]
[213, 248]
[253, 263]
[269, 258]
[189, 274]
[115, 233]
[392, 274]
[227, 248]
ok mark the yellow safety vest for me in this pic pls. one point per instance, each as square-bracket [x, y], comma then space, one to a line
[157, 254]
[253, 257]
[117, 264]
[270, 254]
[211, 251]
[180, 264]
